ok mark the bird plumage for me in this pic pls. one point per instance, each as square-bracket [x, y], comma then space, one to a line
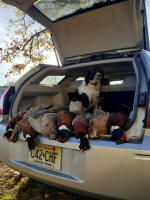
[80, 125]
[46, 125]
[118, 119]
[98, 124]
[11, 124]
[64, 124]
[64, 118]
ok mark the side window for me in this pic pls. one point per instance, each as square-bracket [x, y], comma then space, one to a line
[80, 79]
[51, 80]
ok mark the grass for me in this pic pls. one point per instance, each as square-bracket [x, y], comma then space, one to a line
[15, 186]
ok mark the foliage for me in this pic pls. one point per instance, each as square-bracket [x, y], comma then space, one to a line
[59, 8]
[28, 43]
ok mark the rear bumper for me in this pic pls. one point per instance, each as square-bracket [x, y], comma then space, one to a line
[106, 169]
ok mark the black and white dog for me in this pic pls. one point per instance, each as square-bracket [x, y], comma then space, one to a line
[87, 93]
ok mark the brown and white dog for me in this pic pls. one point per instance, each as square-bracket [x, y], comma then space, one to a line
[87, 93]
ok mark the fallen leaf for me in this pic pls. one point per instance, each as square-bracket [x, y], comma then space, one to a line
[12, 183]
[63, 195]
[47, 196]
[23, 181]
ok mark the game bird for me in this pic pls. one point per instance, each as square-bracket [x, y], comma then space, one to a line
[98, 124]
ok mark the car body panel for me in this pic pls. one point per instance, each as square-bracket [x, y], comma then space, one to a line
[107, 169]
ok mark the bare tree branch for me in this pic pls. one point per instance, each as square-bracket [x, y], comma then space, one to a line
[31, 38]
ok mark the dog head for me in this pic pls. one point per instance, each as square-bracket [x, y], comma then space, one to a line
[94, 76]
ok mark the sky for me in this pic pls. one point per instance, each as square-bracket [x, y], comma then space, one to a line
[4, 19]
[5, 16]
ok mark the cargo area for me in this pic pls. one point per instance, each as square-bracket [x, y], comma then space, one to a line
[119, 91]
[51, 88]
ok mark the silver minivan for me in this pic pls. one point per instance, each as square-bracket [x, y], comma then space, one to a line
[112, 36]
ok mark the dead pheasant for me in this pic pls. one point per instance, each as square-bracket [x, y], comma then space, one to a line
[20, 122]
[64, 123]
[12, 129]
[46, 125]
[98, 124]
[117, 119]
[65, 118]
[80, 125]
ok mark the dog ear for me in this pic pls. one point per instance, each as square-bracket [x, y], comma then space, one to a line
[70, 95]
[101, 71]
[74, 95]
[87, 78]
[85, 100]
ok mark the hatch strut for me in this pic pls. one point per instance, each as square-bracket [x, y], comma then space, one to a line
[55, 51]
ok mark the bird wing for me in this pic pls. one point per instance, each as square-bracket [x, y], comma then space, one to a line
[35, 124]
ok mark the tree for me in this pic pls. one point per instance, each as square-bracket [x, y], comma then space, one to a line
[28, 43]
[30, 40]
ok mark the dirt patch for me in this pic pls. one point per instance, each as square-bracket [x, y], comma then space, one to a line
[16, 186]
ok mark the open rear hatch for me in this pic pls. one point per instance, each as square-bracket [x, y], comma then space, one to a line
[82, 28]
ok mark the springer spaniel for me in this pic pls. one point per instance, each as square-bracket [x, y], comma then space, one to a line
[87, 93]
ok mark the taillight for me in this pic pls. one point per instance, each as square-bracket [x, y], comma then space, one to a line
[148, 115]
[1, 110]
[147, 121]
[5, 100]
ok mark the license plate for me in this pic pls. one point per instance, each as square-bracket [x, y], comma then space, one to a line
[46, 155]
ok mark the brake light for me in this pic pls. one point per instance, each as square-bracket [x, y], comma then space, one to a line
[2, 101]
[148, 114]
[5, 100]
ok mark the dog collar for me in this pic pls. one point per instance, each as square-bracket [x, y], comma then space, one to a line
[93, 83]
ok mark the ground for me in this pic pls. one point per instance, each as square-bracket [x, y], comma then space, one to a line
[16, 186]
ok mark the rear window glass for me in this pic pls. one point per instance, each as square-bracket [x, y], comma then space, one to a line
[80, 79]
[51, 80]
[57, 9]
